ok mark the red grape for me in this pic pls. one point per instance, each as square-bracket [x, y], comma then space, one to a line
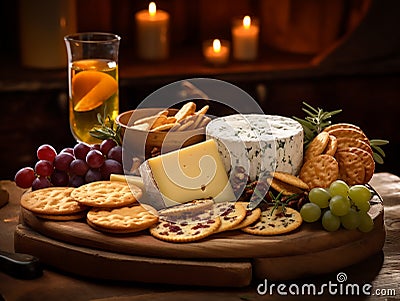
[59, 178]
[40, 182]
[78, 167]
[95, 146]
[25, 177]
[69, 150]
[115, 153]
[62, 161]
[44, 168]
[76, 181]
[106, 145]
[95, 159]
[92, 175]
[46, 152]
[110, 166]
[81, 150]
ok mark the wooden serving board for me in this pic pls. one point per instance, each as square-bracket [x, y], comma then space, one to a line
[225, 259]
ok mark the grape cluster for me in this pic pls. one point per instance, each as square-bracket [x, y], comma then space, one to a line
[339, 205]
[72, 166]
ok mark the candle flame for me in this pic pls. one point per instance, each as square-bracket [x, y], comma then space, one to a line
[152, 9]
[217, 46]
[246, 22]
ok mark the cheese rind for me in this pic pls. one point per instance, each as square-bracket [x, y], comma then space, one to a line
[193, 172]
[259, 143]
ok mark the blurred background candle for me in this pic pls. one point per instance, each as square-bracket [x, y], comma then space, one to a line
[245, 39]
[152, 33]
[216, 52]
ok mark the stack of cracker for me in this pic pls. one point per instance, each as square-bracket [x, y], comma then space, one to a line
[341, 151]
[53, 203]
[200, 218]
[108, 206]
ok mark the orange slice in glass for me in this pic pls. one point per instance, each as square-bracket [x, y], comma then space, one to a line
[90, 89]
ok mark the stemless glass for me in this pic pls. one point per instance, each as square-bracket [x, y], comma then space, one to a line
[92, 81]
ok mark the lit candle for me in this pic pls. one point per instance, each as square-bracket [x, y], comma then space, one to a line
[152, 33]
[245, 39]
[216, 52]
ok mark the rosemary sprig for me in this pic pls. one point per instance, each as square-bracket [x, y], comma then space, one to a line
[107, 129]
[318, 119]
[378, 152]
[315, 122]
[278, 201]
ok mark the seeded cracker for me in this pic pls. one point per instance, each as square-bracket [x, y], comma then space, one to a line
[277, 223]
[186, 230]
[230, 214]
[251, 216]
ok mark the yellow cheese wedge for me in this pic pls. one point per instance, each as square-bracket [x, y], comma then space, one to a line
[193, 172]
[135, 180]
[91, 89]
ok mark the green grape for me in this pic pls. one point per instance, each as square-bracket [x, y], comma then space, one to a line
[310, 212]
[366, 222]
[330, 222]
[363, 206]
[319, 196]
[359, 193]
[339, 187]
[339, 205]
[351, 220]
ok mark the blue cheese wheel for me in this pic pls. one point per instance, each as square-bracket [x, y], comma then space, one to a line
[258, 143]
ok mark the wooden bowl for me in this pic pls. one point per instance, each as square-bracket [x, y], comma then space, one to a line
[142, 143]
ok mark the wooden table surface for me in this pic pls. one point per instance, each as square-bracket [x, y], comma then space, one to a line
[381, 271]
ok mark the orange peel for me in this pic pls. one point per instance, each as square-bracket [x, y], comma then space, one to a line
[90, 89]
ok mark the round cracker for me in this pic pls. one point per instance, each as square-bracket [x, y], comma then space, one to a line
[332, 146]
[126, 219]
[185, 230]
[368, 160]
[290, 179]
[350, 133]
[345, 142]
[276, 222]
[317, 146]
[320, 171]
[231, 215]
[107, 194]
[342, 125]
[64, 217]
[351, 168]
[282, 187]
[251, 216]
[51, 200]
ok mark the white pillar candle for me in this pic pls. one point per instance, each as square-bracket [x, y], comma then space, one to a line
[152, 33]
[245, 39]
[216, 52]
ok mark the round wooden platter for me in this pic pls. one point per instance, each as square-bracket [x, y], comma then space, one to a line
[234, 255]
